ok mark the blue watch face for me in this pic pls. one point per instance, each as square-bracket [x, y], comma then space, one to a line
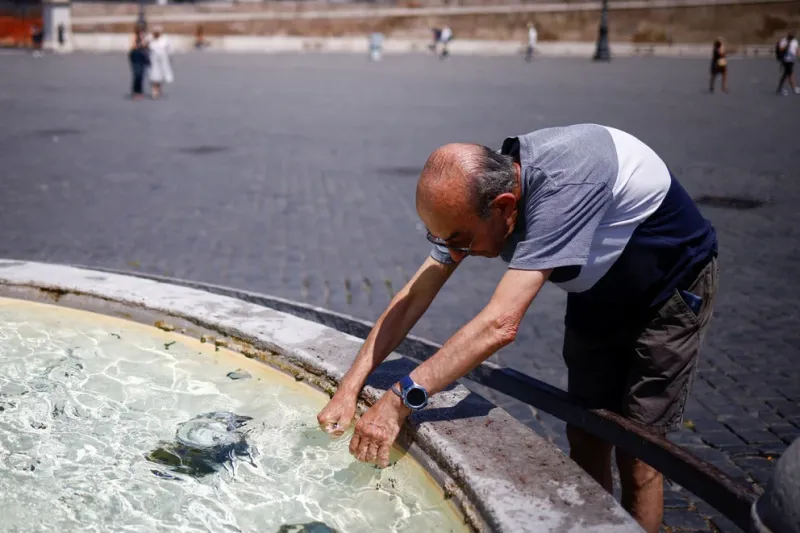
[416, 398]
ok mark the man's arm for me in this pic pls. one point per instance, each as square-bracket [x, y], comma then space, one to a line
[494, 327]
[392, 327]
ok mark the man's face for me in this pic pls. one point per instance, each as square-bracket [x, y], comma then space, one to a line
[459, 227]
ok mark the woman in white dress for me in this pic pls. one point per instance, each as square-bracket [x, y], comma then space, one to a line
[160, 67]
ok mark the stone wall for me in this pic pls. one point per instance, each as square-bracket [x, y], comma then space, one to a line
[758, 23]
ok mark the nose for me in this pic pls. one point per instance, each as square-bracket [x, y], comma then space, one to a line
[457, 256]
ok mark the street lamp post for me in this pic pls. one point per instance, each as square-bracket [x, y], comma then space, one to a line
[603, 52]
[141, 22]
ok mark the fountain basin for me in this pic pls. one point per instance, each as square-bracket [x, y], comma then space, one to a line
[486, 469]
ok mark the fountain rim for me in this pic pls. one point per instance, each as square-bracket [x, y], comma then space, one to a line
[501, 475]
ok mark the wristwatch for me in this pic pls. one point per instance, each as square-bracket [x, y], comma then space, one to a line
[414, 396]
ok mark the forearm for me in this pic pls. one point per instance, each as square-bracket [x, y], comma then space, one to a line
[389, 331]
[394, 324]
[494, 327]
[468, 348]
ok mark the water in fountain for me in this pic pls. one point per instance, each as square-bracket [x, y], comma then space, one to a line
[108, 425]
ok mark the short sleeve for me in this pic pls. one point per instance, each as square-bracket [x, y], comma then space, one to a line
[560, 222]
[441, 254]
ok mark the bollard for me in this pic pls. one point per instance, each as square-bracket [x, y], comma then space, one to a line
[778, 509]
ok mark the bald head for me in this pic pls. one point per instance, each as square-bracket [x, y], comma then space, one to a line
[459, 178]
[458, 190]
[445, 181]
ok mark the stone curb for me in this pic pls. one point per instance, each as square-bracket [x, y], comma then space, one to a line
[503, 476]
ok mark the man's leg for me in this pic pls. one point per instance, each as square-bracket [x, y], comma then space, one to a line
[597, 377]
[591, 454]
[662, 366]
[784, 76]
[642, 491]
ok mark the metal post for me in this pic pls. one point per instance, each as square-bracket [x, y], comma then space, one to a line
[141, 22]
[603, 52]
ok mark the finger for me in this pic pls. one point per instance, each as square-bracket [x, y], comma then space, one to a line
[354, 442]
[341, 426]
[363, 449]
[325, 423]
[372, 453]
[383, 455]
[334, 429]
[337, 430]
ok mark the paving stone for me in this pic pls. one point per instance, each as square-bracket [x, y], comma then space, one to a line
[774, 450]
[758, 468]
[769, 416]
[722, 524]
[756, 437]
[786, 432]
[675, 500]
[786, 408]
[683, 520]
[721, 438]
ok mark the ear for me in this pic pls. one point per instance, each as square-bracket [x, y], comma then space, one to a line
[506, 203]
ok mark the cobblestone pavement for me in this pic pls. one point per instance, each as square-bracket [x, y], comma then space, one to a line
[294, 175]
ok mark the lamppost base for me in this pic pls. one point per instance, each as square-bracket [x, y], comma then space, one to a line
[602, 55]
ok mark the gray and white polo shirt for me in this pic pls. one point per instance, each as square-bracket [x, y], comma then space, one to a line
[603, 210]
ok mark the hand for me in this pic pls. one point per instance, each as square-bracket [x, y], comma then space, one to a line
[335, 418]
[377, 430]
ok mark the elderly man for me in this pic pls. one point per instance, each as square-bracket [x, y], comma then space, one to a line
[595, 211]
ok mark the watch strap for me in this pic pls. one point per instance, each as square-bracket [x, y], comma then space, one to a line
[406, 383]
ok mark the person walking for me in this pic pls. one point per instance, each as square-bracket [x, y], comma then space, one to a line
[788, 48]
[533, 36]
[160, 64]
[37, 38]
[446, 37]
[139, 59]
[437, 36]
[375, 46]
[719, 66]
[596, 212]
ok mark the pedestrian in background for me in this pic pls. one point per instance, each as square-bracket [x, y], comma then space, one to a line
[719, 66]
[788, 48]
[139, 59]
[446, 37]
[437, 36]
[37, 38]
[375, 46]
[160, 65]
[533, 36]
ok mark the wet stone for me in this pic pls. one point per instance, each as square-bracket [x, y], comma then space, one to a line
[311, 527]
[239, 374]
[203, 445]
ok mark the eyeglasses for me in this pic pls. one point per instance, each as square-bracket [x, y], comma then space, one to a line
[439, 242]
